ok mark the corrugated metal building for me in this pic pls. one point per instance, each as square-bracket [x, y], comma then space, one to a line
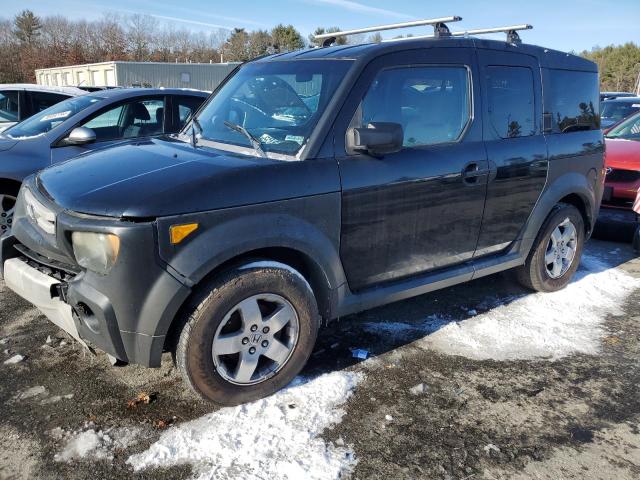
[202, 76]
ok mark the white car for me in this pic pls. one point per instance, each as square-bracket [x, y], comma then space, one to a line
[19, 101]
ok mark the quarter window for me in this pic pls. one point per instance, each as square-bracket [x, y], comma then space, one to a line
[511, 101]
[432, 104]
[572, 100]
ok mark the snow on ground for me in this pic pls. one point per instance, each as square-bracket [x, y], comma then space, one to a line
[541, 325]
[94, 444]
[276, 437]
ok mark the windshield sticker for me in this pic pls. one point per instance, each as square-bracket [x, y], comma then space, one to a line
[53, 116]
[294, 138]
[268, 139]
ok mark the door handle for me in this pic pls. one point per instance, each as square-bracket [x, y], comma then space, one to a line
[472, 172]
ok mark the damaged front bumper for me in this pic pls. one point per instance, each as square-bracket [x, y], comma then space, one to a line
[38, 289]
[126, 313]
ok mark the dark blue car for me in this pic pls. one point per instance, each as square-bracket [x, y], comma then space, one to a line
[85, 123]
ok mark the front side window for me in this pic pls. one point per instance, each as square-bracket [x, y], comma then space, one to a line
[43, 100]
[9, 106]
[572, 98]
[139, 118]
[511, 101]
[432, 104]
[629, 129]
[277, 103]
[51, 117]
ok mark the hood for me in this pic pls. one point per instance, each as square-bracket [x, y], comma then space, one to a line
[163, 177]
[623, 153]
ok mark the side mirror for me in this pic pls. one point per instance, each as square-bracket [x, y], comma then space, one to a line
[377, 139]
[80, 136]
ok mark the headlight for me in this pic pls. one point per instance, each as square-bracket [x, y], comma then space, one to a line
[96, 251]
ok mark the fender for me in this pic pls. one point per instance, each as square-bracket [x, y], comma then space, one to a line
[570, 183]
[309, 225]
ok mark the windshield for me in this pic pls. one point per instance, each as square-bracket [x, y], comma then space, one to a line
[616, 111]
[50, 118]
[629, 129]
[272, 107]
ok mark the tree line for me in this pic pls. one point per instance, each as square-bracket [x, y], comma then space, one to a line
[619, 66]
[28, 42]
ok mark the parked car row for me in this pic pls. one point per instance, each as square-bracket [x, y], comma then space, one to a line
[311, 185]
[20, 101]
[81, 124]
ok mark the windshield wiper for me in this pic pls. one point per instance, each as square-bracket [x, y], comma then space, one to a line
[255, 143]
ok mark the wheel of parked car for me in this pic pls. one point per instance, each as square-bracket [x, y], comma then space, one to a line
[555, 254]
[8, 197]
[248, 333]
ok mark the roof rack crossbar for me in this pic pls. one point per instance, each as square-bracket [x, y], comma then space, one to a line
[439, 26]
[511, 31]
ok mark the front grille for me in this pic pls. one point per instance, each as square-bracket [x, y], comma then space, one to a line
[53, 268]
[619, 175]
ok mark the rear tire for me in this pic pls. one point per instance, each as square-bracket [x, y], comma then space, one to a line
[220, 354]
[555, 254]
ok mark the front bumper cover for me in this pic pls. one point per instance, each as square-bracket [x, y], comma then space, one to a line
[126, 313]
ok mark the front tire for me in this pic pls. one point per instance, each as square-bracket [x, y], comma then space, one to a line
[8, 196]
[556, 252]
[248, 333]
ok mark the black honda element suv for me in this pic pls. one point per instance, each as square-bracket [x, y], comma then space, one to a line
[312, 185]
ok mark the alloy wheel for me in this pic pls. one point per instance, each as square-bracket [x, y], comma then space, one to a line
[7, 206]
[255, 339]
[561, 249]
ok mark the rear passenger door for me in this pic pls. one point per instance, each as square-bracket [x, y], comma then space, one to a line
[419, 209]
[516, 147]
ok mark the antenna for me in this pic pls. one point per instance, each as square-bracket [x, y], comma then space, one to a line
[439, 27]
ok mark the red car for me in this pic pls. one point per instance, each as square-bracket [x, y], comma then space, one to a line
[622, 181]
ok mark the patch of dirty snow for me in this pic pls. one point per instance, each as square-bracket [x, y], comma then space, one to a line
[56, 399]
[277, 437]
[13, 360]
[94, 443]
[406, 330]
[542, 325]
[30, 393]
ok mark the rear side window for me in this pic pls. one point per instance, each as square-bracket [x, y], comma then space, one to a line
[572, 100]
[9, 106]
[43, 100]
[431, 103]
[511, 101]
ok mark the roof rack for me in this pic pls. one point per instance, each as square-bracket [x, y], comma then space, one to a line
[439, 28]
[511, 31]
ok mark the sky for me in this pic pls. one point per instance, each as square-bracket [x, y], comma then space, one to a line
[569, 25]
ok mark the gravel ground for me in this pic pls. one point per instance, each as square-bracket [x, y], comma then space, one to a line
[576, 417]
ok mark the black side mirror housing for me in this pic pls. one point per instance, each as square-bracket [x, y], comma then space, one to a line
[377, 139]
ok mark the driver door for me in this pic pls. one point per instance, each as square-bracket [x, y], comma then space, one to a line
[419, 209]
